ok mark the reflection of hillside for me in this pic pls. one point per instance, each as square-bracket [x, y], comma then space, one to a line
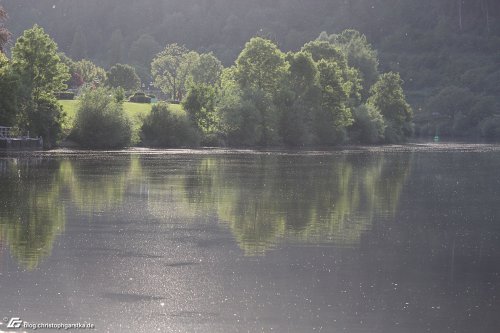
[306, 199]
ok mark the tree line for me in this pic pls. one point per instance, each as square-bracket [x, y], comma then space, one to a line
[445, 50]
[329, 92]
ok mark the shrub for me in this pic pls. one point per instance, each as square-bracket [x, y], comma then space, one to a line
[100, 121]
[163, 128]
[368, 127]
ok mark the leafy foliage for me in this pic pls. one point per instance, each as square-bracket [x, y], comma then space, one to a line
[200, 106]
[35, 60]
[171, 69]
[261, 65]
[9, 85]
[100, 121]
[164, 128]
[41, 73]
[123, 76]
[88, 71]
[207, 70]
[388, 97]
[4, 33]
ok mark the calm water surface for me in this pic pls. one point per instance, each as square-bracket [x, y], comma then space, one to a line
[401, 239]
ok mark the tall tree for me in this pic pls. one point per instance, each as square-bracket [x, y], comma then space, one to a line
[360, 55]
[35, 59]
[298, 101]
[260, 71]
[388, 97]
[4, 33]
[207, 70]
[260, 65]
[42, 73]
[323, 50]
[171, 69]
[334, 115]
[8, 97]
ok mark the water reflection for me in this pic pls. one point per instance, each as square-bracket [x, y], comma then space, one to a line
[31, 216]
[262, 199]
[310, 200]
[37, 193]
[98, 185]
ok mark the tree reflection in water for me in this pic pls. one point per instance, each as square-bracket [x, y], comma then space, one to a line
[313, 199]
[263, 198]
[31, 215]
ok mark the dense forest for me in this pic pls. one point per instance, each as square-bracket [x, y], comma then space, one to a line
[446, 51]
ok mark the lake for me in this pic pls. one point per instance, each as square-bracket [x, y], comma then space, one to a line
[391, 239]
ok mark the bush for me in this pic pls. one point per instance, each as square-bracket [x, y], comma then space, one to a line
[65, 95]
[163, 128]
[140, 97]
[368, 127]
[100, 121]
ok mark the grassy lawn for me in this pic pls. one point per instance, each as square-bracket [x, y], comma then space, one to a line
[135, 111]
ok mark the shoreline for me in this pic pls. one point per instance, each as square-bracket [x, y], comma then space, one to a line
[346, 149]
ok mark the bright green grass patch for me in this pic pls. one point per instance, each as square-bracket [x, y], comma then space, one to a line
[135, 111]
[177, 108]
[131, 109]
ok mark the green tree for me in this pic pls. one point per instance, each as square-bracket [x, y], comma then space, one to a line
[259, 74]
[9, 85]
[200, 106]
[334, 115]
[323, 50]
[123, 76]
[388, 97]
[299, 99]
[171, 69]
[89, 72]
[42, 73]
[360, 55]
[100, 121]
[207, 70]
[4, 33]
[261, 65]
[35, 59]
